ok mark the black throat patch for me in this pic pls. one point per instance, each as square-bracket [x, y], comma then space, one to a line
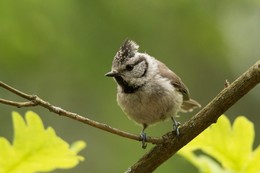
[126, 88]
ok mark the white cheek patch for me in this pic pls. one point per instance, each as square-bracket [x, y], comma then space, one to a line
[140, 69]
[152, 66]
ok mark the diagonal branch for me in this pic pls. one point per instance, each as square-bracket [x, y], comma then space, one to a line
[34, 100]
[203, 119]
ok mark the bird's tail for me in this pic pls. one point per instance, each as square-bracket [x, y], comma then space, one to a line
[189, 105]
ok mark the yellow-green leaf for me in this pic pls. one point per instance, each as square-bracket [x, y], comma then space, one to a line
[36, 149]
[254, 166]
[229, 145]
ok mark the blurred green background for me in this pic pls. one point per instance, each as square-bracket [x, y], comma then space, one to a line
[60, 51]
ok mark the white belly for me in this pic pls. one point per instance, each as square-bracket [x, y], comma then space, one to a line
[150, 106]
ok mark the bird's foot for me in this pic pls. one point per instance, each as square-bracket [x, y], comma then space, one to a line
[176, 125]
[143, 138]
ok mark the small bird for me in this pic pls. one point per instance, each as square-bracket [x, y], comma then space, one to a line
[148, 91]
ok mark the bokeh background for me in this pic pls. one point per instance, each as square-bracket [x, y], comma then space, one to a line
[60, 51]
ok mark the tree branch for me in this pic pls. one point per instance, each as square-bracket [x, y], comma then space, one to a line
[198, 123]
[34, 100]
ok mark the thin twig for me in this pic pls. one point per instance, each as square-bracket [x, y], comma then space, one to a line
[18, 104]
[15, 91]
[34, 100]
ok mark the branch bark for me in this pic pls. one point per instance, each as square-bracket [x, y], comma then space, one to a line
[169, 144]
[198, 123]
[34, 100]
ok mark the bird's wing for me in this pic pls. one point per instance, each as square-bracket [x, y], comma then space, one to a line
[175, 80]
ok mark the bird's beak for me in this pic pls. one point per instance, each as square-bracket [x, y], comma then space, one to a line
[112, 74]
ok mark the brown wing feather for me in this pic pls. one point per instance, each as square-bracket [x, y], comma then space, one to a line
[175, 80]
[188, 104]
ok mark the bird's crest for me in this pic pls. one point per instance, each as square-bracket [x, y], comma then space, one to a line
[127, 50]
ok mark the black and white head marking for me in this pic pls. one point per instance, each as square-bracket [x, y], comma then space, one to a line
[126, 51]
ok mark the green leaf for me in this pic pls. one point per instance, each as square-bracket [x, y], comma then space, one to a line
[230, 146]
[254, 166]
[204, 163]
[35, 148]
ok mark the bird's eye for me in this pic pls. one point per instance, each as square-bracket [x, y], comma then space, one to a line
[129, 67]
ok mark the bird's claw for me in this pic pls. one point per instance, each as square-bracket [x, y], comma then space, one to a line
[176, 125]
[143, 139]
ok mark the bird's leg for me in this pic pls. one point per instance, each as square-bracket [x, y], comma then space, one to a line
[143, 136]
[176, 125]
